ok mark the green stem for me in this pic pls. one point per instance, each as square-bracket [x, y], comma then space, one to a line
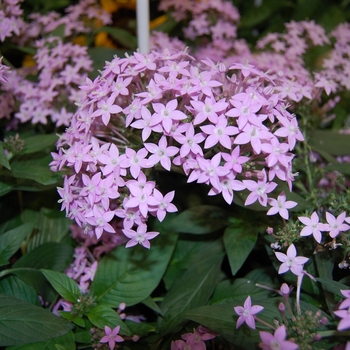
[307, 167]
[333, 333]
[264, 323]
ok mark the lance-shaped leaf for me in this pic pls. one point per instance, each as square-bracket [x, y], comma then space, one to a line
[131, 275]
[14, 286]
[103, 315]
[200, 219]
[64, 286]
[63, 342]
[193, 288]
[239, 242]
[11, 241]
[22, 323]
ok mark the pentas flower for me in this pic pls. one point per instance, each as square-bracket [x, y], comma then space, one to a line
[193, 340]
[111, 337]
[259, 190]
[335, 225]
[345, 303]
[246, 313]
[291, 261]
[281, 206]
[139, 237]
[313, 227]
[277, 340]
[180, 107]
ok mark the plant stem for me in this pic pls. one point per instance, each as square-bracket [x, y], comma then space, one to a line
[300, 279]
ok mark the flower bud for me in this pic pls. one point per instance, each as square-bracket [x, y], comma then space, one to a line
[285, 290]
[281, 307]
[269, 230]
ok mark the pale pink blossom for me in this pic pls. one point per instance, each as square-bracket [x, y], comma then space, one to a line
[246, 313]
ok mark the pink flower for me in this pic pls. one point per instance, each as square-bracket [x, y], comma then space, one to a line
[276, 341]
[140, 236]
[344, 323]
[111, 337]
[246, 313]
[162, 204]
[259, 190]
[291, 261]
[194, 341]
[335, 225]
[281, 206]
[313, 226]
[345, 303]
[161, 153]
[219, 133]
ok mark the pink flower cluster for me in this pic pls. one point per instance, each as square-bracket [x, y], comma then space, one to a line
[61, 68]
[11, 21]
[165, 109]
[80, 18]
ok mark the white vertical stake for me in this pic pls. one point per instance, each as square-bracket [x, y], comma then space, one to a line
[142, 17]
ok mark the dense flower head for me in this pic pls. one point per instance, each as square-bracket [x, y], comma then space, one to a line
[221, 125]
[60, 69]
[80, 18]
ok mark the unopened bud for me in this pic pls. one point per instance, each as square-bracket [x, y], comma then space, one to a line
[269, 230]
[285, 290]
[135, 338]
[122, 306]
[317, 337]
[281, 307]
[323, 321]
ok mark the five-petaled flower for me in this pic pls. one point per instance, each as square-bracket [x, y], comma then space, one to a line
[313, 226]
[111, 337]
[246, 313]
[291, 261]
[276, 341]
[281, 206]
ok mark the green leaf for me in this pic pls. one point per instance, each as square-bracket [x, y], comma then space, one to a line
[35, 169]
[78, 320]
[39, 143]
[3, 159]
[257, 15]
[222, 320]
[64, 285]
[330, 142]
[11, 241]
[51, 256]
[120, 35]
[103, 315]
[5, 188]
[14, 286]
[22, 323]
[140, 328]
[184, 256]
[34, 278]
[333, 286]
[239, 242]
[52, 226]
[200, 219]
[227, 290]
[64, 342]
[149, 302]
[193, 288]
[131, 275]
